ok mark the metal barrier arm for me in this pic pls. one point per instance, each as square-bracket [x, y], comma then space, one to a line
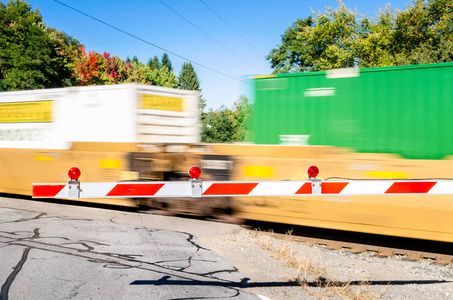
[75, 189]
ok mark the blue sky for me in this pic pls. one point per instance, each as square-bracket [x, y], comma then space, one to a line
[222, 59]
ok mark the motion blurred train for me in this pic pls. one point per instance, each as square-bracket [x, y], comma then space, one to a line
[376, 123]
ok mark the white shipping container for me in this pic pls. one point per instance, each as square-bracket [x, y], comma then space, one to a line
[128, 113]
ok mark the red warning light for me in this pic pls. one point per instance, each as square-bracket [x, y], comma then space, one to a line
[312, 171]
[74, 173]
[194, 172]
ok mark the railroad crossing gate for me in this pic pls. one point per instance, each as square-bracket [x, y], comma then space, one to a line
[196, 188]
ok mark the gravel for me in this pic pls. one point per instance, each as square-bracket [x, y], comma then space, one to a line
[332, 274]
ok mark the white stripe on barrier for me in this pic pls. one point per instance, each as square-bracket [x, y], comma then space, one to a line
[366, 187]
[276, 188]
[442, 187]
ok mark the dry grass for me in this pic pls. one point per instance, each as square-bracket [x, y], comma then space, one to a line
[311, 274]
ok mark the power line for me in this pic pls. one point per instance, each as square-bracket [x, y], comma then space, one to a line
[149, 43]
[213, 39]
[233, 28]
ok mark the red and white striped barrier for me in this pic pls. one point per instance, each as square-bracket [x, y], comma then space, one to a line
[197, 188]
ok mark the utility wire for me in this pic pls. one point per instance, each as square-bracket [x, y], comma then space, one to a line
[213, 39]
[233, 28]
[149, 43]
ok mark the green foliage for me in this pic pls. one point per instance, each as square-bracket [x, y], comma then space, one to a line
[68, 50]
[218, 126]
[374, 43]
[154, 63]
[163, 77]
[188, 78]
[342, 38]
[290, 56]
[317, 43]
[32, 56]
[243, 111]
[424, 33]
[226, 126]
[137, 72]
[165, 62]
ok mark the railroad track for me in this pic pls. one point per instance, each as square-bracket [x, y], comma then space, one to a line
[441, 253]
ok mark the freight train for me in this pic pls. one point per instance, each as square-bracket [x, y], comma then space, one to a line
[392, 122]
[356, 123]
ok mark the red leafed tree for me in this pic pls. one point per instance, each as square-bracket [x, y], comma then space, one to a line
[87, 68]
[111, 68]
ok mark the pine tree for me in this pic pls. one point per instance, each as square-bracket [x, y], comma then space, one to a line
[188, 80]
[165, 62]
[154, 63]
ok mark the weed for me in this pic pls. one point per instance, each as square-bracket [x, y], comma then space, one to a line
[311, 274]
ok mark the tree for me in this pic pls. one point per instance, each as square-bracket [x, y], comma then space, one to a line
[115, 70]
[165, 62]
[317, 43]
[32, 56]
[123, 69]
[374, 45]
[242, 113]
[424, 33]
[68, 50]
[109, 68]
[154, 63]
[218, 126]
[162, 77]
[188, 80]
[341, 38]
[226, 125]
[88, 69]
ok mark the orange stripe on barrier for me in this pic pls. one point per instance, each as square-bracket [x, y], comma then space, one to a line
[333, 187]
[410, 187]
[47, 190]
[304, 189]
[128, 190]
[243, 188]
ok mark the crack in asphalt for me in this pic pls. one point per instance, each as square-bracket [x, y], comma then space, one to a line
[9, 281]
[25, 219]
[109, 260]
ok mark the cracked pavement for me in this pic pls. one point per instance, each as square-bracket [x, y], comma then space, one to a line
[52, 256]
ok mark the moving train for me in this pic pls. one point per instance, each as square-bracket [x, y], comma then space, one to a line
[377, 123]
[357, 123]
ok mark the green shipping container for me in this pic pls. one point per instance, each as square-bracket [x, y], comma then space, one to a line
[403, 110]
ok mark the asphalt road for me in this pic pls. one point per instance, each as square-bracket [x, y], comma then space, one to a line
[50, 251]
